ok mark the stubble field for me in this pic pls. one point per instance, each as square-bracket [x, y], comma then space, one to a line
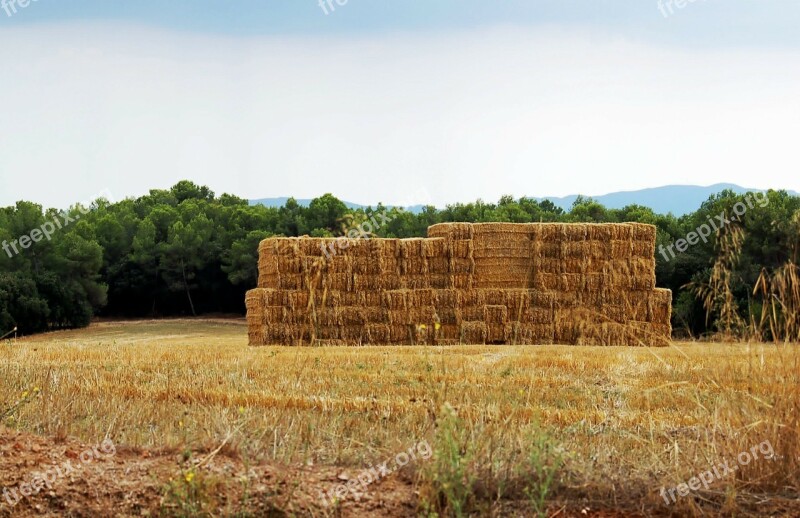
[204, 425]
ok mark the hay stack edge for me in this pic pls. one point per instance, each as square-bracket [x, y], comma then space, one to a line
[482, 283]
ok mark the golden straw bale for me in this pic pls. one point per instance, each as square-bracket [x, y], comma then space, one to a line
[497, 333]
[377, 334]
[480, 229]
[448, 315]
[594, 282]
[423, 297]
[414, 265]
[495, 314]
[422, 315]
[661, 306]
[575, 249]
[371, 298]
[434, 247]
[448, 332]
[366, 265]
[268, 281]
[451, 230]
[353, 315]
[573, 232]
[599, 232]
[621, 231]
[338, 281]
[574, 265]
[546, 281]
[395, 299]
[327, 316]
[400, 333]
[399, 316]
[646, 249]
[538, 315]
[542, 300]
[268, 264]
[472, 313]
[621, 250]
[461, 281]
[615, 312]
[473, 332]
[290, 281]
[494, 296]
[297, 300]
[643, 232]
[352, 334]
[461, 248]
[550, 249]
[416, 281]
[439, 281]
[571, 282]
[462, 265]
[470, 298]
[287, 246]
[552, 232]
[566, 330]
[411, 247]
[440, 265]
[376, 282]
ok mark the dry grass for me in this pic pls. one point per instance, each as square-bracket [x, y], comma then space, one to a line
[628, 420]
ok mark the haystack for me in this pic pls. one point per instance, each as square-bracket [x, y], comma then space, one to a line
[589, 284]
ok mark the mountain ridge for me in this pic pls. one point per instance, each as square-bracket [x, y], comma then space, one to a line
[677, 199]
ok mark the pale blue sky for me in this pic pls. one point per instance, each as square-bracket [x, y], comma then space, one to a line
[397, 101]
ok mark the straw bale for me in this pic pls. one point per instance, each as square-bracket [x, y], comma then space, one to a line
[550, 249]
[338, 281]
[552, 232]
[637, 305]
[621, 250]
[474, 332]
[417, 282]
[286, 246]
[414, 265]
[495, 314]
[598, 232]
[462, 248]
[448, 332]
[538, 315]
[297, 300]
[290, 281]
[575, 249]
[567, 300]
[411, 247]
[573, 265]
[546, 265]
[575, 232]
[493, 296]
[462, 265]
[541, 300]
[400, 333]
[546, 281]
[366, 265]
[661, 306]
[268, 264]
[395, 299]
[525, 251]
[353, 315]
[565, 329]
[446, 298]
[376, 282]
[423, 297]
[389, 265]
[440, 265]
[439, 281]
[571, 282]
[399, 316]
[646, 249]
[449, 315]
[268, 281]
[472, 313]
[434, 247]
[352, 334]
[470, 298]
[621, 231]
[377, 333]
[371, 298]
[451, 230]
[497, 333]
[643, 232]
[461, 281]
[481, 229]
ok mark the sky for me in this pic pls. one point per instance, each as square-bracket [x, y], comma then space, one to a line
[434, 101]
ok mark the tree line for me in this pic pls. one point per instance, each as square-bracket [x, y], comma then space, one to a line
[186, 251]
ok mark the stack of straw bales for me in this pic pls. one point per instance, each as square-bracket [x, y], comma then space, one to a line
[590, 284]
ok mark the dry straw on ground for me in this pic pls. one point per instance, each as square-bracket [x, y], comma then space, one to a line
[591, 284]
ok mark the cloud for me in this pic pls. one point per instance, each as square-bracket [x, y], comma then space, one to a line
[444, 116]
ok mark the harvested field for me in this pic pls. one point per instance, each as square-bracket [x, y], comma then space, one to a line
[272, 426]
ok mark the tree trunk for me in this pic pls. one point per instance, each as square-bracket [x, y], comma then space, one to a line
[186, 285]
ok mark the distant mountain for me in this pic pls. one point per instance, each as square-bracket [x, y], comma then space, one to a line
[677, 199]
